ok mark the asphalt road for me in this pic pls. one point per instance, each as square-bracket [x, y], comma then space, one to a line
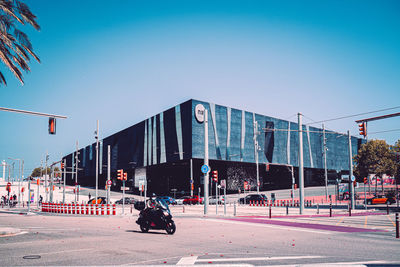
[73, 240]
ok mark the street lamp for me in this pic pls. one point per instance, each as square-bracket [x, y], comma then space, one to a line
[19, 180]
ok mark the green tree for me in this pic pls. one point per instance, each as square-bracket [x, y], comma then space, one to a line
[37, 172]
[396, 151]
[375, 157]
[15, 47]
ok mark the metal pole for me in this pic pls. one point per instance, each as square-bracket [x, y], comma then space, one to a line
[325, 166]
[256, 153]
[301, 166]
[38, 186]
[216, 197]
[97, 159]
[351, 172]
[123, 195]
[76, 174]
[51, 183]
[293, 181]
[45, 177]
[64, 177]
[29, 194]
[191, 178]
[225, 199]
[19, 182]
[108, 172]
[365, 198]
[206, 161]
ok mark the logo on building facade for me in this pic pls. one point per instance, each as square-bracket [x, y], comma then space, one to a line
[199, 112]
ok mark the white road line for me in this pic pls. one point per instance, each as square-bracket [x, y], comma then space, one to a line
[260, 259]
[65, 251]
[187, 260]
[271, 226]
[350, 264]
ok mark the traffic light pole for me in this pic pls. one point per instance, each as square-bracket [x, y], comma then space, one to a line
[206, 175]
[108, 173]
[351, 172]
[97, 159]
[65, 175]
[325, 166]
[301, 164]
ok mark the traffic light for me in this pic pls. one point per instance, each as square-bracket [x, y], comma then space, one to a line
[215, 176]
[120, 174]
[125, 176]
[52, 125]
[363, 129]
[267, 168]
[365, 180]
[62, 166]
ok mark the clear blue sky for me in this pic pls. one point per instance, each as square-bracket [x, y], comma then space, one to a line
[123, 61]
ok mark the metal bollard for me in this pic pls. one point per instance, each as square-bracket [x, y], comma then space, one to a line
[270, 212]
[287, 209]
[349, 211]
[234, 208]
[387, 208]
[183, 209]
[317, 208]
[330, 210]
[397, 226]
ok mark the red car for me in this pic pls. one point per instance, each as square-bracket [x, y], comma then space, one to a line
[193, 200]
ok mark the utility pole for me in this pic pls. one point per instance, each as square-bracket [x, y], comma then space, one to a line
[301, 164]
[325, 166]
[64, 177]
[45, 178]
[76, 174]
[351, 173]
[97, 159]
[206, 161]
[255, 123]
[109, 173]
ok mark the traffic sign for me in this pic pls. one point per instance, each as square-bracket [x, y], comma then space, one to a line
[223, 183]
[205, 169]
[353, 178]
[109, 182]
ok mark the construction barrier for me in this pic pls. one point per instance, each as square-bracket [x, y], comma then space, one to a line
[97, 209]
[87, 209]
[102, 209]
[91, 209]
[114, 210]
[108, 209]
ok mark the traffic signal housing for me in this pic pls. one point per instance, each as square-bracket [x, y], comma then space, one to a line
[362, 127]
[215, 176]
[125, 176]
[62, 166]
[120, 174]
[52, 125]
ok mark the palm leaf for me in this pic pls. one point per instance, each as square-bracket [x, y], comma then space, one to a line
[31, 52]
[2, 79]
[27, 15]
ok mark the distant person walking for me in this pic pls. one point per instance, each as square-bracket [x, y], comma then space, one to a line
[90, 196]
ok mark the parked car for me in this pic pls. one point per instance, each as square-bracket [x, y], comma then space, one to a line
[380, 200]
[128, 200]
[193, 200]
[213, 200]
[100, 200]
[252, 197]
[167, 199]
[180, 200]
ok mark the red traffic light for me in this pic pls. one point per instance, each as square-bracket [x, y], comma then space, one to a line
[120, 174]
[52, 126]
[215, 176]
[62, 166]
[362, 127]
[125, 176]
[365, 180]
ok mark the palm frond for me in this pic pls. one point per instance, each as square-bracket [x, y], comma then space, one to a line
[6, 60]
[20, 51]
[6, 22]
[27, 15]
[2, 79]
[32, 54]
[8, 7]
[22, 38]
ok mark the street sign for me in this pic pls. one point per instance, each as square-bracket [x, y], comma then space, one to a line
[205, 169]
[223, 183]
[109, 182]
[353, 178]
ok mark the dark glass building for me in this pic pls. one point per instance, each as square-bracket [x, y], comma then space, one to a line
[168, 149]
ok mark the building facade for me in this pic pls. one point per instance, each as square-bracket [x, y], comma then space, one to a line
[168, 151]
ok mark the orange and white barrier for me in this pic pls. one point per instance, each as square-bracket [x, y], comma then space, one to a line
[82, 209]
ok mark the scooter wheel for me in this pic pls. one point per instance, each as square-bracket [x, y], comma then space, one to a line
[144, 227]
[170, 228]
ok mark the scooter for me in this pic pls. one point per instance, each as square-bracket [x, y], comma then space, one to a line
[155, 216]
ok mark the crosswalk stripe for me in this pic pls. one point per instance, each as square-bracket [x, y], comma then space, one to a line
[187, 260]
[260, 259]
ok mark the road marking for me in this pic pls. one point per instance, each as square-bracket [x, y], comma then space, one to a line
[270, 226]
[391, 220]
[365, 223]
[187, 260]
[260, 259]
[341, 219]
[65, 251]
[353, 264]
